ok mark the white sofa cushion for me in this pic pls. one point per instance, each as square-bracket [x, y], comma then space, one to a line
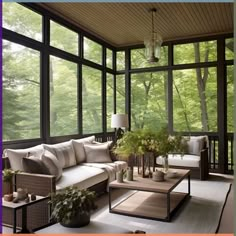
[78, 145]
[15, 155]
[64, 152]
[81, 176]
[178, 160]
[97, 152]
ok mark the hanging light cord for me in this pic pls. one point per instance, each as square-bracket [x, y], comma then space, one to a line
[153, 33]
[153, 12]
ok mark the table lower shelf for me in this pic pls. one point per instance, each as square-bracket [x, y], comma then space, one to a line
[149, 205]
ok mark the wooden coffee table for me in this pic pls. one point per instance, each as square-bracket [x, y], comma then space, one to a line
[151, 200]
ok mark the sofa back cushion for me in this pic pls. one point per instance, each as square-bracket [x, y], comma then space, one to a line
[64, 152]
[196, 144]
[97, 153]
[78, 145]
[15, 156]
[46, 163]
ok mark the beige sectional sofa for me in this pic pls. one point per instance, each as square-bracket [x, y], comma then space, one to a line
[48, 168]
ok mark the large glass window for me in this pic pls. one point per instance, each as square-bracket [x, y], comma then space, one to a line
[195, 52]
[110, 100]
[21, 92]
[230, 98]
[92, 100]
[109, 61]
[195, 99]
[22, 20]
[120, 60]
[149, 100]
[92, 51]
[63, 38]
[229, 49]
[139, 60]
[63, 97]
[120, 94]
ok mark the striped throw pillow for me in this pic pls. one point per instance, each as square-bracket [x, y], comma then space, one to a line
[64, 152]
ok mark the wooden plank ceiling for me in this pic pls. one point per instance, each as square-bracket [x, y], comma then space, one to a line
[123, 24]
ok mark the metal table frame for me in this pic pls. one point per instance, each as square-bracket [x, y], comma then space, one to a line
[23, 206]
[168, 200]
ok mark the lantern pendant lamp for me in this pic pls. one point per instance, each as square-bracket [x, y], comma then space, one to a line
[153, 42]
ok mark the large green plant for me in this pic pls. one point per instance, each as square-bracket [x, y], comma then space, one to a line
[141, 141]
[169, 144]
[68, 203]
[130, 143]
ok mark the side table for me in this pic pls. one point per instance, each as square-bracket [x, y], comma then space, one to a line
[22, 205]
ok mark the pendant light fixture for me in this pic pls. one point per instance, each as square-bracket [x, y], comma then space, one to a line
[153, 42]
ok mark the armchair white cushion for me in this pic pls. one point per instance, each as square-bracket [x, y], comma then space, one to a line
[184, 161]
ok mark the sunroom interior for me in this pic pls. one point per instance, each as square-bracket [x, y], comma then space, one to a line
[67, 67]
[75, 64]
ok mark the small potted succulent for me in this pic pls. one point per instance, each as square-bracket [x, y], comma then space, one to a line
[72, 206]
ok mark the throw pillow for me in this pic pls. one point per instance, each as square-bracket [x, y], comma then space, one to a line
[112, 154]
[196, 144]
[15, 156]
[34, 164]
[64, 152]
[52, 164]
[78, 145]
[97, 153]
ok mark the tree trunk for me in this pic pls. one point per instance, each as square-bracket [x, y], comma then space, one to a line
[201, 85]
[53, 115]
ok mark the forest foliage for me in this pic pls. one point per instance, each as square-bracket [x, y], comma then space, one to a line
[194, 90]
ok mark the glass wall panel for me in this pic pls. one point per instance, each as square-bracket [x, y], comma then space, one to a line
[63, 97]
[120, 94]
[139, 60]
[21, 92]
[92, 51]
[195, 52]
[120, 60]
[230, 98]
[110, 100]
[149, 100]
[195, 99]
[92, 100]
[109, 60]
[22, 20]
[63, 38]
[229, 49]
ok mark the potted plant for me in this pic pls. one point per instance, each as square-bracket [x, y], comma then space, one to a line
[149, 144]
[169, 144]
[8, 181]
[72, 207]
[138, 143]
[129, 146]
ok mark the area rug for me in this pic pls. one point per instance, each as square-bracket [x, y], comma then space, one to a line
[200, 214]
